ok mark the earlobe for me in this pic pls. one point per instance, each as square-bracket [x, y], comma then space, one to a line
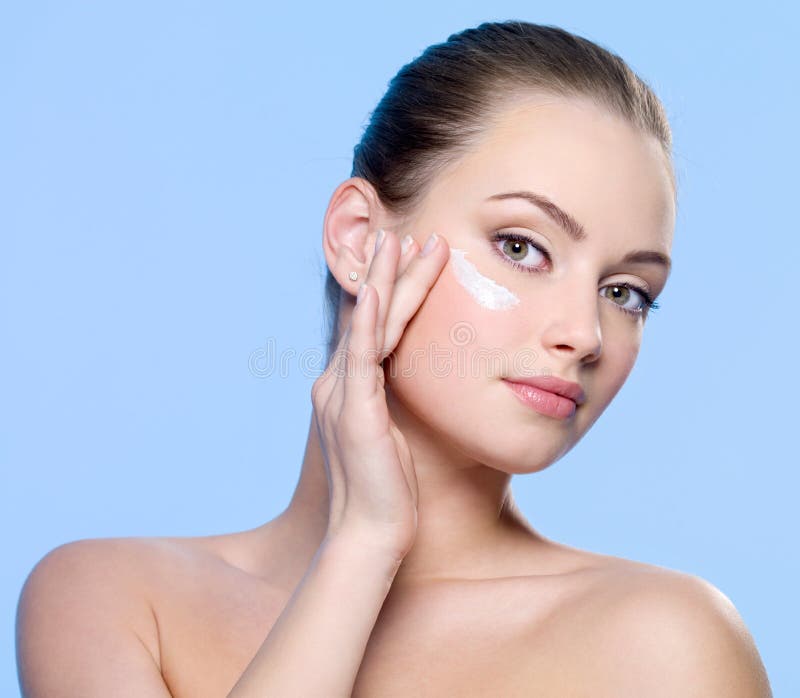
[348, 270]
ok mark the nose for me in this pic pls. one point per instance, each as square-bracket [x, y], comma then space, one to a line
[572, 322]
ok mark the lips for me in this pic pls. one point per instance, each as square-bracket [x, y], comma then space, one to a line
[553, 384]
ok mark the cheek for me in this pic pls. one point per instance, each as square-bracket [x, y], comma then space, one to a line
[446, 324]
[450, 348]
[451, 325]
[623, 364]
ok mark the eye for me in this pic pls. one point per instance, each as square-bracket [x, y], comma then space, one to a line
[515, 248]
[625, 292]
[519, 251]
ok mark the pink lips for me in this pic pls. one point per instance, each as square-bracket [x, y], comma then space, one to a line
[549, 395]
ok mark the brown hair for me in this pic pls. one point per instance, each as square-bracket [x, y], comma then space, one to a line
[439, 104]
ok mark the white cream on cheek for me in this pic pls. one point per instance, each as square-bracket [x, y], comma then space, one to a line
[488, 293]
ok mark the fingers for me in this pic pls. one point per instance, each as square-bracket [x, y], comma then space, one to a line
[360, 381]
[396, 285]
[407, 254]
[354, 356]
[325, 384]
[412, 287]
[381, 276]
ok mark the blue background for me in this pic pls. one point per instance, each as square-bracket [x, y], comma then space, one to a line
[164, 172]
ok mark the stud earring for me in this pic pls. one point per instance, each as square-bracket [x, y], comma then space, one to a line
[353, 276]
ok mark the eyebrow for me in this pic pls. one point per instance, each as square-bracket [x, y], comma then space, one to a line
[576, 231]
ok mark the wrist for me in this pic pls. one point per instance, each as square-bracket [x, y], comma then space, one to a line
[362, 551]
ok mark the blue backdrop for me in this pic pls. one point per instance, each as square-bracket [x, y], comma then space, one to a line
[164, 171]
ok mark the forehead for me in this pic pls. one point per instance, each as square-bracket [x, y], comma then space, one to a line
[595, 165]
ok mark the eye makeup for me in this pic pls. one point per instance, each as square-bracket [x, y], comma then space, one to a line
[646, 305]
[485, 291]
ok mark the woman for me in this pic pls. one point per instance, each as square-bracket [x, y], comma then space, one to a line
[507, 227]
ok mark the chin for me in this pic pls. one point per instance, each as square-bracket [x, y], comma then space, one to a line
[525, 460]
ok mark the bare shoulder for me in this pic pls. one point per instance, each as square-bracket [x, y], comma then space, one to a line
[142, 617]
[108, 573]
[84, 625]
[660, 632]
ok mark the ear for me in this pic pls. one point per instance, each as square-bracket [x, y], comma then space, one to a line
[351, 223]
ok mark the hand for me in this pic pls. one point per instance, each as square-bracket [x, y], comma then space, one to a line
[371, 477]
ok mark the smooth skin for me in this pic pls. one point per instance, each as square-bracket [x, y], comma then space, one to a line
[402, 565]
[374, 496]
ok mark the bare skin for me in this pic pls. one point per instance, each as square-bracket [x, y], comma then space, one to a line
[542, 632]
[507, 635]
[483, 604]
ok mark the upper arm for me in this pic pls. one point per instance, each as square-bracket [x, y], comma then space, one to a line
[683, 637]
[78, 628]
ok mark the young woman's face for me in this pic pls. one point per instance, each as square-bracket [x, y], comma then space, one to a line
[539, 302]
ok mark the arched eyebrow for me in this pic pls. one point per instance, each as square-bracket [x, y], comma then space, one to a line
[576, 231]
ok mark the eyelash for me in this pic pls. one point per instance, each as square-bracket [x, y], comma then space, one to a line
[649, 303]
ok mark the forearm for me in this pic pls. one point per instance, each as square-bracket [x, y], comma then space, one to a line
[316, 646]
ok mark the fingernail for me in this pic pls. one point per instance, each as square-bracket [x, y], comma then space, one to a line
[407, 240]
[379, 239]
[429, 244]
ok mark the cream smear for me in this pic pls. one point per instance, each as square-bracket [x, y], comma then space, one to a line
[488, 293]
